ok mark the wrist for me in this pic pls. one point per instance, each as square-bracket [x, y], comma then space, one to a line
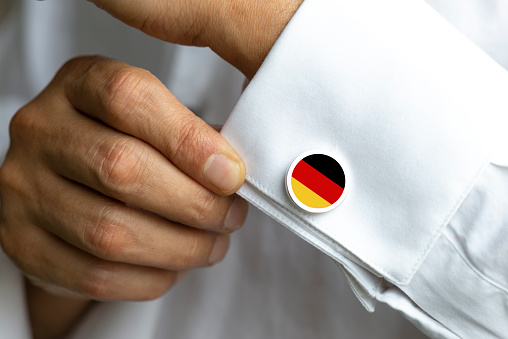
[52, 315]
[247, 30]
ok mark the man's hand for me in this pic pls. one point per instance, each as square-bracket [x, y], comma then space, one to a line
[242, 32]
[111, 188]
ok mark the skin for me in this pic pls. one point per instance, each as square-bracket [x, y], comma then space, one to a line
[241, 32]
[122, 203]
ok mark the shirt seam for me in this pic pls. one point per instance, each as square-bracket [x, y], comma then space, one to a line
[477, 272]
[449, 216]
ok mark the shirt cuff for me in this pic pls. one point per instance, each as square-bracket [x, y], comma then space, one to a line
[409, 103]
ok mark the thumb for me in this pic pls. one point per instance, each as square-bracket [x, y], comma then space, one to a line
[135, 102]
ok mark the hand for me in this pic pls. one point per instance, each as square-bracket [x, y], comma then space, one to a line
[111, 188]
[242, 32]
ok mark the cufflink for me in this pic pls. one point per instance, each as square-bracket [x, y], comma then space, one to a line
[316, 181]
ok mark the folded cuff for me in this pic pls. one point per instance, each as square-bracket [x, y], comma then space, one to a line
[406, 100]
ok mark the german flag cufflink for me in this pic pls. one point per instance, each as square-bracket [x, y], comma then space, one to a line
[316, 181]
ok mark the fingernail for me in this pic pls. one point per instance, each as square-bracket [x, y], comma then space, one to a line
[222, 172]
[219, 249]
[236, 215]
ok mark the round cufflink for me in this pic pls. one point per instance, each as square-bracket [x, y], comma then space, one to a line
[316, 181]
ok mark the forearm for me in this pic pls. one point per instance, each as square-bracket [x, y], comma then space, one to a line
[248, 30]
[241, 32]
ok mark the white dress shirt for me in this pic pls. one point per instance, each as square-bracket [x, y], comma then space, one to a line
[334, 80]
[416, 112]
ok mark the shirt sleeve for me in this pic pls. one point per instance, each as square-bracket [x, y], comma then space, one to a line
[415, 111]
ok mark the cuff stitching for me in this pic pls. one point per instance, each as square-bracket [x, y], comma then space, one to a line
[342, 247]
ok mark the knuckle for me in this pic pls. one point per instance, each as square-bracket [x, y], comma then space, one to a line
[11, 179]
[192, 256]
[70, 67]
[98, 283]
[124, 89]
[203, 210]
[72, 64]
[104, 235]
[78, 62]
[195, 251]
[190, 135]
[13, 189]
[24, 123]
[121, 164]
[17, 249]
[77, 66]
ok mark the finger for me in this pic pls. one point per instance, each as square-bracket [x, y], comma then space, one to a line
[135, 102]
[57, 263]
[114, 231]
[131, 171]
